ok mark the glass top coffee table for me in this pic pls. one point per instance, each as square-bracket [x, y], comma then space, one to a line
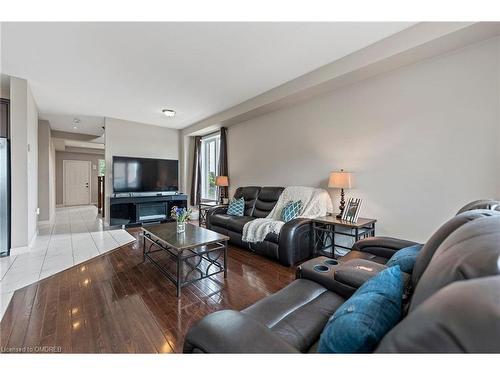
[187, 257]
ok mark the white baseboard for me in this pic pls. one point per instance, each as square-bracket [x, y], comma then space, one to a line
[44, 222]
[19, 250]
[24, 249]
[33, 239]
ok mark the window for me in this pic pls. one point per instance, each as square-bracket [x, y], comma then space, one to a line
[102, 167]
[209, 165]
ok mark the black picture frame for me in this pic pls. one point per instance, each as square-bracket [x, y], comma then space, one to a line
[351, 211]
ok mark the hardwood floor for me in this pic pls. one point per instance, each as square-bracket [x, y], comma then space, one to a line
[117, 304]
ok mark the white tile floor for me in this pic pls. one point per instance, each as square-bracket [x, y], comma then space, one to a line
[76, 235]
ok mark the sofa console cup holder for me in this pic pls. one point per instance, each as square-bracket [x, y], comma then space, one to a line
[331, 262]
[321, 268]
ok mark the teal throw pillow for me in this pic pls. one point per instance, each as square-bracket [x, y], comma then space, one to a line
[363, 320]
[236, 207]
[291, 210]
[405, 258]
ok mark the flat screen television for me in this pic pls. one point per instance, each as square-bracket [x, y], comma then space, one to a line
[133, 175]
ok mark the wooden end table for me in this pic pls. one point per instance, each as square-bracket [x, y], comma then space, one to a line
[203, 208]
[328, 228]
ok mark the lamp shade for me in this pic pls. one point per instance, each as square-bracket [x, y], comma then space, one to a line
[222, 181]
[340, 180]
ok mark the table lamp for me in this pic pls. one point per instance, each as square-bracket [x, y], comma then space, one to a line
[340, 180]
[221, 181]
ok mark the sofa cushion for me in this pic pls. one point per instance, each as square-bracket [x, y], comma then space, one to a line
[273, 237]
[405, 258]
[235, 239]
[236, 223]
[471, 251]
[266, 200]
[220, 220]
[249, 194]
[440, 235]
[297, 313]
[463, 317]
[363, 320]
[236, 207]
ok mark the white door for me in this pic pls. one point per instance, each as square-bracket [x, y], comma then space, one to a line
[76, 182]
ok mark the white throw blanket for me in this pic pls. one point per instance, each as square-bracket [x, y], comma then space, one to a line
[315, 203]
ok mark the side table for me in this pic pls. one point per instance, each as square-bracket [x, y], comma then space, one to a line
[327, 229]
[203, 208]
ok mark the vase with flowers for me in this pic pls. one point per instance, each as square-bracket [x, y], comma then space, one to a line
[181, 215]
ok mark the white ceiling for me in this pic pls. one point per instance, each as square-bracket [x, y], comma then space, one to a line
[62, 144]
[87, 125]
[93, 145]
[134, 70]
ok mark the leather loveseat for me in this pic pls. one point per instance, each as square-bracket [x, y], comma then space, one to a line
[291, 246]
[452, 305]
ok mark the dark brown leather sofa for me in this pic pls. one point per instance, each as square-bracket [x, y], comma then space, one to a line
[291, 246]
[380, 249]
[453, 303]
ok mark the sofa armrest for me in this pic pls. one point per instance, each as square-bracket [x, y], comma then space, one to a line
[295, 241]
[217, 210]
[230, 331]
[338, 276]
[381, 246]
[214, 211]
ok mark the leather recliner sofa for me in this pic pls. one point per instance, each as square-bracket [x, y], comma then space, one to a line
[380, 249]
[291, 246]
[453, 303]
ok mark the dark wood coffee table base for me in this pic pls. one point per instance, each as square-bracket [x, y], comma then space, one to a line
[202, 260]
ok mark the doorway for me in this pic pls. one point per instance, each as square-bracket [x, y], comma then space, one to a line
[76, 186]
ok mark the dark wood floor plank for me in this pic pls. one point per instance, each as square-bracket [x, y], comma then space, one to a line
[65, 313]
[22, 318]
[13, 327]
[116, 303]
[34, 331]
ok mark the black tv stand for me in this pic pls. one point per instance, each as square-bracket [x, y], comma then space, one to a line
[130, 209]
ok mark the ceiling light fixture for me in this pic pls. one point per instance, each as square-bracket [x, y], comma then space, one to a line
[168, 112]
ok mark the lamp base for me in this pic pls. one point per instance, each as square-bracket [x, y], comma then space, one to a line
[222, 195]
[342, 204]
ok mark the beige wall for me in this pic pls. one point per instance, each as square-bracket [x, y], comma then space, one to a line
[24, 163]
[46, 172]
[128, 138]
[32, 118]
[52, 179]
[422, 141]
[63, 155]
